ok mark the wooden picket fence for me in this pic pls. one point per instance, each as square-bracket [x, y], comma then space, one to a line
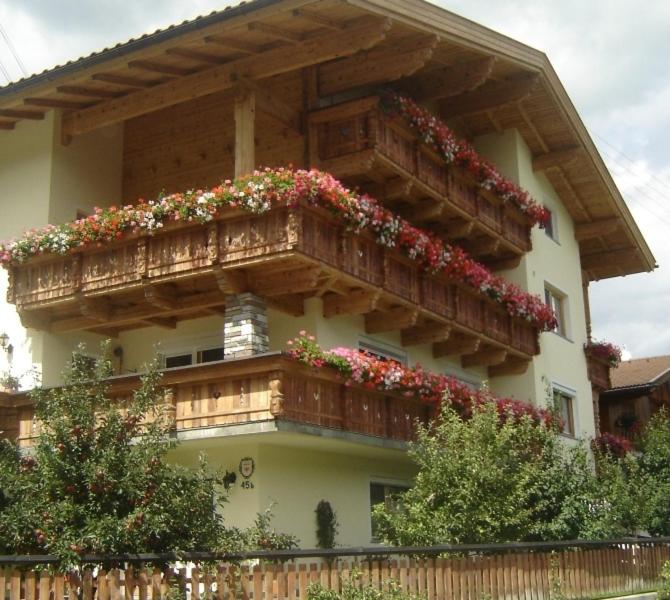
[536, 573]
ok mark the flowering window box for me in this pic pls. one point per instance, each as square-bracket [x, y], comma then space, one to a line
[359, 141]
[303, 225]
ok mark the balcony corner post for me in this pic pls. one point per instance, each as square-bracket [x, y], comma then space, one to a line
[170, 408]
[275, 382]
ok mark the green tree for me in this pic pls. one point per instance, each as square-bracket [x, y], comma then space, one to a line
[501, 477]
[654, 459]
[97, 480]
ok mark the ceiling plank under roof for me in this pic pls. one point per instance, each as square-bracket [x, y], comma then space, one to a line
[359, 36]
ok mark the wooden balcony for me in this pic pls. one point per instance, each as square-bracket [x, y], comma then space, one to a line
[186, 270]
[599, 372]
[270, 387]
[360, 144]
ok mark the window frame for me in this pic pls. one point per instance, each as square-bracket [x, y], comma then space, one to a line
[557, 300]
[195, 351]
[382, 350]
[551, 231]
[397, 485]
[560, 392]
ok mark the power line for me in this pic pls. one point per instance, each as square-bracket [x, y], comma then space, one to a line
[5, 72]
[13, 51]
[644, 190]
[632, 161]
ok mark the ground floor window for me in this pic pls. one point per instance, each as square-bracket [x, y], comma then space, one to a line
[192, 357]
[565, 405]
[383, 493]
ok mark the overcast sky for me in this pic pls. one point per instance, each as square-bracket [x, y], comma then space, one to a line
[612, 56]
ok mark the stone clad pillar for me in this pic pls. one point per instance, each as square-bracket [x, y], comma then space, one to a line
[245, 329]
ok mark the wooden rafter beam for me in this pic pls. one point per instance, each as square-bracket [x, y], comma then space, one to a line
[80, 90]
[156, 67]
[124, 316]
[272, 62]
[197, 55]
[512, 366]
[502, 264]
[491, 95]
[7, 125]
[317, 19]
[35, 320]
[557, 158]
[392, 189]
[609, 258]
[357, 302]
[164, 322]
[287, 282]
[459, 228]
[97, 309]
[122, 80]
[446, 82]
[273, 106]
[594, 229]
[426, 211]
[483, 246]
[379, 65]
[484, 358]
[393, 319]
[56, 103]
[231, 281]
[458, 343]
[425, 334]
[277, 32]
[17, 113]
[165, 297]
[237, 45]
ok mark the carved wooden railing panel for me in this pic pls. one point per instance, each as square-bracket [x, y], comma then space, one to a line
[296, 238]
[260, 389]
[599, 372]
[345, 136]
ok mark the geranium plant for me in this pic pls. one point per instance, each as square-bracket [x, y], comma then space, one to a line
[362, 368]
[604, 351]
[258, 193]
[442, 139]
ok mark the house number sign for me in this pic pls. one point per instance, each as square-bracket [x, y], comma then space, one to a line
[247, 467]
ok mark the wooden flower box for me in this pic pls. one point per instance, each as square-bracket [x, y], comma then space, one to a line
[358, 140]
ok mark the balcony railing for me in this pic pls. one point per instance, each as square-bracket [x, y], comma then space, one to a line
[285, 255]
[599, 372]
[269, 387]
[359, 143]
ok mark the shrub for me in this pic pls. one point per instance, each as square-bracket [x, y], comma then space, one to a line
[97, 480]
[490, 479]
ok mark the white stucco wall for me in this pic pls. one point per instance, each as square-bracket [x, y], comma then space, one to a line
[45, 182]
[289, 476]
[561, 360]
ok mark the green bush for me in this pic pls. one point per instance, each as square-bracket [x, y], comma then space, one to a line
[354, 589]
[98, 482]
[664, 588]
[495, 479]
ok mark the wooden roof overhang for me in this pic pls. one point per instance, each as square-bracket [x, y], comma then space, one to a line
[478, 79]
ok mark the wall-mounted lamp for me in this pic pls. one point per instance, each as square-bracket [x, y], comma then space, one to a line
[4, 343]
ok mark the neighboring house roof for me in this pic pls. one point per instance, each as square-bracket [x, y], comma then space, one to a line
[641, 373]
[522, 92]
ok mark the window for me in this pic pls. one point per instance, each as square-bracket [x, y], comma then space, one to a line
[557, 301]
[387, 494]
[565, 405]
[551, 227]
[382, 351]
[196, 357]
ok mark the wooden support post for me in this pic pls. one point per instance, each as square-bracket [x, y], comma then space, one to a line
[245, 117]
